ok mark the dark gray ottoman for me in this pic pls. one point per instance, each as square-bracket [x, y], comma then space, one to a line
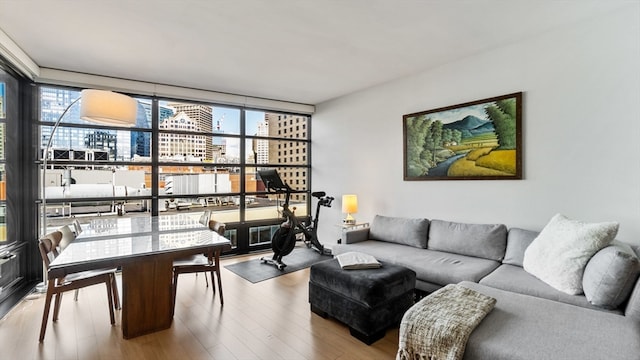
[368, 301]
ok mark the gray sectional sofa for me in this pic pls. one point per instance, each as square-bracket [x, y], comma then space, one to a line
[531, 319]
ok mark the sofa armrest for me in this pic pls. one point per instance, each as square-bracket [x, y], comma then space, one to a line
[354, 236]
[632, 308]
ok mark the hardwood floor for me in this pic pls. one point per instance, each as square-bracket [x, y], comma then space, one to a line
[267, 320]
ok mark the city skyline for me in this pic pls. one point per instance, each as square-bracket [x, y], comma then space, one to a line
[219, 121]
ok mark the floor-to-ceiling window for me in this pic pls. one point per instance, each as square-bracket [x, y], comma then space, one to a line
[275, 141]
[3, 161]
[17, 270]
[7, 265]
[181, 157]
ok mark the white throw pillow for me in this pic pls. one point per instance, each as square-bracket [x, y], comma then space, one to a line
[561, 251]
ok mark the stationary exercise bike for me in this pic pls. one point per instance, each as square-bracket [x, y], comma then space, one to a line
[284, 239]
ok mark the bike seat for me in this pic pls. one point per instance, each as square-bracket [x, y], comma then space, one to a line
[318, 194]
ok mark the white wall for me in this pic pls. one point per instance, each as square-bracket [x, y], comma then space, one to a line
[581, 131]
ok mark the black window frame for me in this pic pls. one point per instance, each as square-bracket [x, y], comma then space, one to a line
[243, 228]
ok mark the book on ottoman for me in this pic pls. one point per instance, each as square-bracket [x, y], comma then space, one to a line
[356, 260]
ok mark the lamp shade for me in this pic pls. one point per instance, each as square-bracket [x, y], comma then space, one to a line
[349, 204]
[108, 108]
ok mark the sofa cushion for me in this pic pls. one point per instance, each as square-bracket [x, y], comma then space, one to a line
[610, 275]
[431, 267]
[517, 242]
[487, 241]
[412, 232]
[523, 327]
[560, 253]
[513, 278]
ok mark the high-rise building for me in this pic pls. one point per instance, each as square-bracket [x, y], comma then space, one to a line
[53, 103]
[219, 149]
[141, 141]
[181, 117]
[260, 146]
[202, 116]
[219, 143]
[291, 152]
[104, 141]
[183, 146]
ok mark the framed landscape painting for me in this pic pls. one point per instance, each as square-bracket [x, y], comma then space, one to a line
[479, 140]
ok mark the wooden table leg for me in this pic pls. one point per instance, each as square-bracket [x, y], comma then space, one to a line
[217, 265]
[147, 296]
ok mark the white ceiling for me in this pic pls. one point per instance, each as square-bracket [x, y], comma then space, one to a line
[305, 51]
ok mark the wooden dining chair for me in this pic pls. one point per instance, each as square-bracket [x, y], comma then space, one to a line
[68, 236]
[205, 217]
[77, 228]
[48, 246]
[201, 263]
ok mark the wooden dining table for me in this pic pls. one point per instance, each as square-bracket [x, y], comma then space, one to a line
[144, 249]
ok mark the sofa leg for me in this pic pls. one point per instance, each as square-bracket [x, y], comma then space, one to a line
[367, 338]
[319, 312]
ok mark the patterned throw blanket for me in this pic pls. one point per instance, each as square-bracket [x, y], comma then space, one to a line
[438, 326]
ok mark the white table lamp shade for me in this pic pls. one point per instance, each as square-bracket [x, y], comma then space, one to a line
[349, 206]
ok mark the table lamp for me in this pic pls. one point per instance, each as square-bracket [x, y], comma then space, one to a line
[349, 206]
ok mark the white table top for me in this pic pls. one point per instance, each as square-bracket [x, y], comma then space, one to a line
[129, 239]
[110, 226]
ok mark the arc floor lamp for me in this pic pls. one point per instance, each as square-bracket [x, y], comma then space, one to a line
[99, 107]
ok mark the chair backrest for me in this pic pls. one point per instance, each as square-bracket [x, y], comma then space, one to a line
[218, 227]
[67, 237]
[48, 246]
[77, 227]
[205, 217]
